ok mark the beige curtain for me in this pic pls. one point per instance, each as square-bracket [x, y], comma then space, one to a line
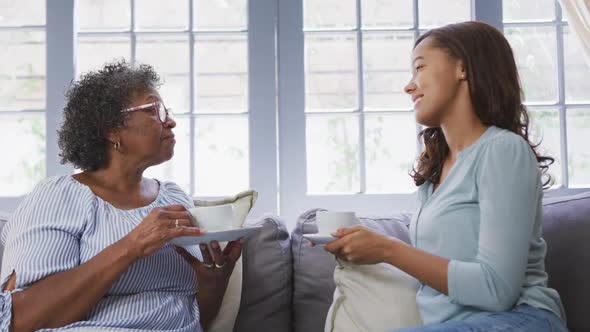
[578, 15]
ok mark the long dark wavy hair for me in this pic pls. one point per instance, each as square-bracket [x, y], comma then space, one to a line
[494, 89]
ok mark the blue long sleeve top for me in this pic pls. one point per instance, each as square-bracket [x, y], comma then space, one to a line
[486, 218]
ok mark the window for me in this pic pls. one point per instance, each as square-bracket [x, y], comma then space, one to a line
[355, 136]
[200, 50]
[302, 100]
[22, 95]
[553, 73]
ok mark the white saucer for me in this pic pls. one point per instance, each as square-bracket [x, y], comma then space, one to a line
[319, 238]
[220, 236]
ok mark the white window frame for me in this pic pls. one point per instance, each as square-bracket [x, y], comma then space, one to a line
[276, 105]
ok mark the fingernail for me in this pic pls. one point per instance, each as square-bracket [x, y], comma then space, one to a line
[242, 240]
[214, 244]
[311, 244]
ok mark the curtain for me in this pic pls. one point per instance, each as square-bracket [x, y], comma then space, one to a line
[578, 15]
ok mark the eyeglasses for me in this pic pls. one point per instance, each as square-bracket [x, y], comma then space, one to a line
[157, 106]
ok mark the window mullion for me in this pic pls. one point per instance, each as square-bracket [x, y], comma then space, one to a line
[291, 98]
[60, 35]
[133, 35]
[361, 99]
[561, 95]
[416, 28]
[488, 11]
[191, 110]
[262, 107]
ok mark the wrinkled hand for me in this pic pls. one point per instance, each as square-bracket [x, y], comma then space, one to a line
[159, 227]
[214, 271]
[359, 245]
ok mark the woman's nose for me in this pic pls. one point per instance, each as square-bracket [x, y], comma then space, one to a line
[410, 87]
[170, 123]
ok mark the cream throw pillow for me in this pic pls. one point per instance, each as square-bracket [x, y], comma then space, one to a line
[226, 318]
[377, 297]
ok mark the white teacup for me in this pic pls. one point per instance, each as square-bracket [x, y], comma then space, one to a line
[213, 218]
[330, 221]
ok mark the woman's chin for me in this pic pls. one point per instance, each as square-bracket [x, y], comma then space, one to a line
[164, 157]
[421, 118]
[427, 119]
[168, 156]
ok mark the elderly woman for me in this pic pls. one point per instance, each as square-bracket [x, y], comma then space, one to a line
[91, 249]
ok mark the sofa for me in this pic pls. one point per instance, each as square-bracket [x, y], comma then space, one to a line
[288, 286]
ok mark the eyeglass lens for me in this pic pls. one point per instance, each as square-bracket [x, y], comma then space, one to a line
[162, 112]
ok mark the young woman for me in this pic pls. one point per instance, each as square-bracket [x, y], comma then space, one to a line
[476, 236]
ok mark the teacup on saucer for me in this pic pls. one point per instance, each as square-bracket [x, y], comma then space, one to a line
[330, 221]
[213, 218]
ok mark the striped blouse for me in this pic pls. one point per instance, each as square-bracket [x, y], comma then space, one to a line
[62, 224]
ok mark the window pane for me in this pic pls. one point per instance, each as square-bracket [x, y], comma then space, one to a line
[578, 136]
[161, 15]
[544, 128]
[535, 51]
[221, 64]
[528, 10]
[433, 13]
[26, 165]
[103, 15]
[22, 70]
[222, 158]
[170, 57]
[386, 64]
[22, 12]
[331, 81]
[329, 14]
[390, 151]
[387, 13]
[577, 70]
[220, 15]
[95, 51]
[332, 154]
[178, 168]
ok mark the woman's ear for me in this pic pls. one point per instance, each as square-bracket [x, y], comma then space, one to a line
[113, 137]
[461, 71]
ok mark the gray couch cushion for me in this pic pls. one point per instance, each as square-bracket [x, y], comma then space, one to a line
[267, 279]
[313, 268]
[566, 228]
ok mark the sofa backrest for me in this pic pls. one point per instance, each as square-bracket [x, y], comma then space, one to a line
[566, 229]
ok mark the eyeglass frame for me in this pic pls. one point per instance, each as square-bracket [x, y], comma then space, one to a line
[155, 105]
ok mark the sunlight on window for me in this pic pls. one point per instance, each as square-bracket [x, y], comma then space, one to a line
[22, 88]
[578, 131]
[23, 139]
[337, 82]
[213, 81]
